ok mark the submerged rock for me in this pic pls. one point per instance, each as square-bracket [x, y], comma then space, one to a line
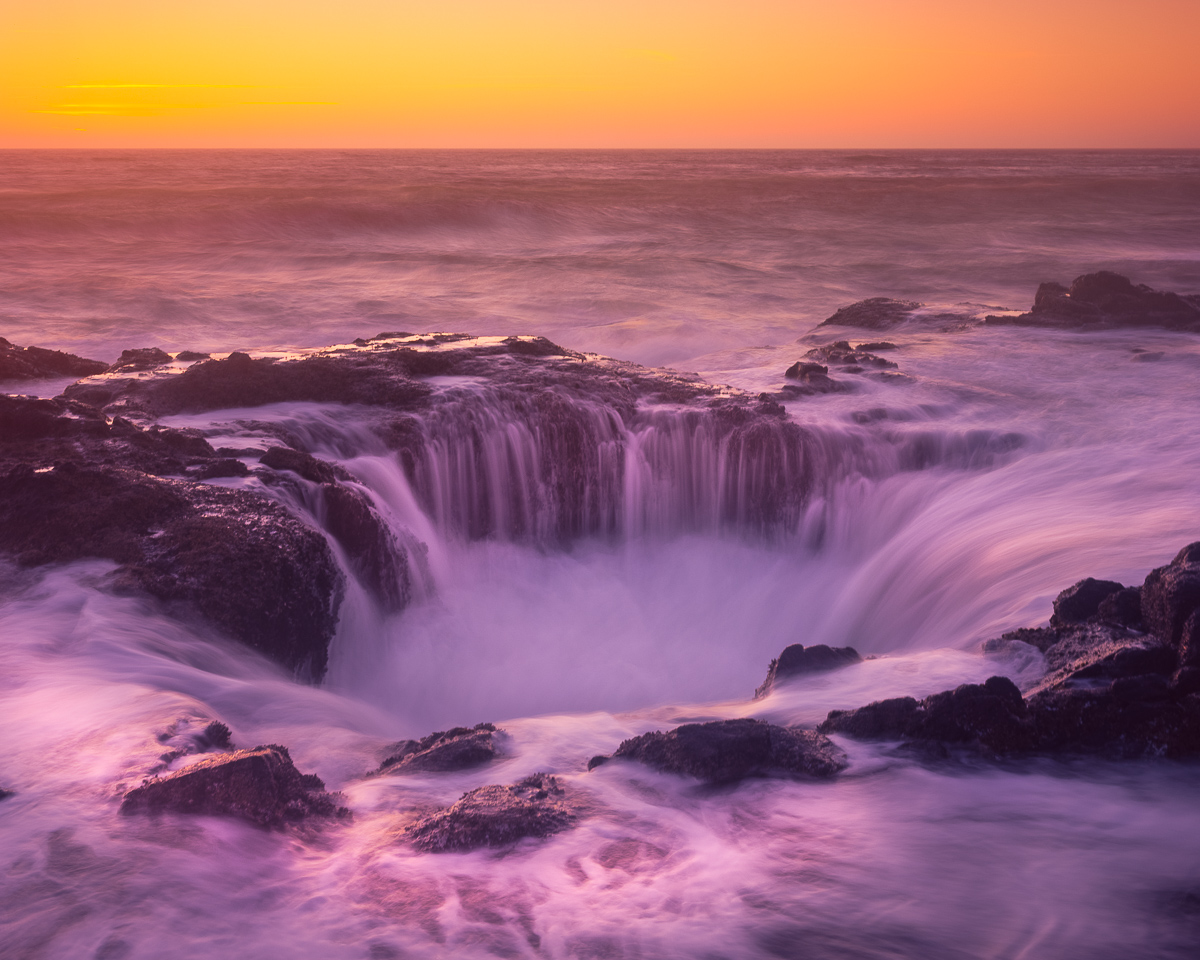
[840, 353]
[260, 785]
[37, 363]
[797, 660]
[725, 751]
[456, 749]
[496, 816]
[1104, 300]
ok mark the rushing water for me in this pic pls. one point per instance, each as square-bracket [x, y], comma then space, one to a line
[936, 512]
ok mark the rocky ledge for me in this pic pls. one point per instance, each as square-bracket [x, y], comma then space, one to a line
[1122, 680]
[726, 751]
[1105, 300]
[93, 474]
[497, 816]
[260, 785]
[797, 660]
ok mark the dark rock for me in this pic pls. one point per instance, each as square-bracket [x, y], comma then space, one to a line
[1171, 593]
[797, 659]
[1104, 300]
[307, 466]
[36, 363]
[991, 716]
[1081, 601]
[240, 560]
[1123, 607]
[875, 345]
[725, 751]
[1041, 637]
[191, 356]
[840, 353]
[260, 785]
[456, 749]
[145, 358]
[227, 467]
[5, 794]
[1133, 721]
[379, 561]
[496, 816]
[876, 313]
[812, 378]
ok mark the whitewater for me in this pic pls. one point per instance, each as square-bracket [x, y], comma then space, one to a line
[942, 508]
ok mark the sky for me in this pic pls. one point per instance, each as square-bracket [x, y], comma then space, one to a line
[650, 73]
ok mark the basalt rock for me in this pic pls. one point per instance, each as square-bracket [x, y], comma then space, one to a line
[1171, 593]
[1082, 601]
[304, 465]
[381, 564]
[145, 358]
[726, 751]
[811, 378]
[458, 749]
[1104, 300]
[240, 560]
[876, 313]
[260, 785]
[497, 816]
[37, 363]
[798, 660]
[990, 716]
[840, 353]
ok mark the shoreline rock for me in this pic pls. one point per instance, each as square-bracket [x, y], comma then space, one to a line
[498, 816]
[1122, 680]
[457, 749]
[261, 785]
[37, 363]
[798, 660]
[1105, 300]
[725, 751]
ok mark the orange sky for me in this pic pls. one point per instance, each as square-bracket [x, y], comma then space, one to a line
[530, 73]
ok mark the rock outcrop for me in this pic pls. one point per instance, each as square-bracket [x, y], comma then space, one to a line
[444, 751]
[1104, 300]
[497, 816]
[725, 751]
[260, 785]
[797, 660]
[1122, 680]
[876, 313]
[37, 363]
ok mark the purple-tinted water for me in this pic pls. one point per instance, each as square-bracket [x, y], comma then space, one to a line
[922, 540]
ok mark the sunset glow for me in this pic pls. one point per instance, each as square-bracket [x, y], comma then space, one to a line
[709, 73]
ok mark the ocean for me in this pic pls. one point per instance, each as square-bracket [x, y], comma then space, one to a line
[950, 506]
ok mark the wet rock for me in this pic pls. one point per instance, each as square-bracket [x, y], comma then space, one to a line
[840, 353]
[1127, 719]
[37, 363]
[1122, 607]
[1105, 300]
[444, 751]
[238, 559]
[260, 785]
[875, 345]
[145, 358]
[1081, 601]
[191, 356]
[1171, 593]
[380, 562]
[1041, 637]
[306, 465]
[990, 716]
[496, 816]
[224, 467]
[797, 660]
[811, 378]
[876, 313]
[725, 751]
